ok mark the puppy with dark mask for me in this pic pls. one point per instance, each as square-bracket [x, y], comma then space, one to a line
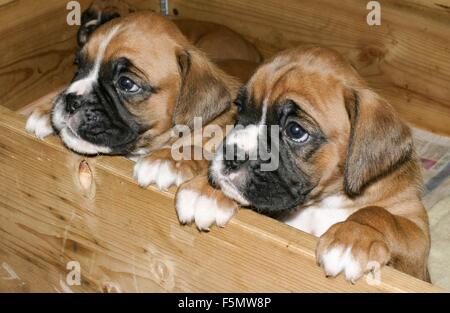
[137, 78]
[346, 169]
[214, 40]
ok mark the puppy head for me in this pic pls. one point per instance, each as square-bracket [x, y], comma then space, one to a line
[136, 77]
[334, 134]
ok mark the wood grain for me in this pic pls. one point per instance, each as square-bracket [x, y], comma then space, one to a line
[37, 49]
[406, 59]
[128, 239]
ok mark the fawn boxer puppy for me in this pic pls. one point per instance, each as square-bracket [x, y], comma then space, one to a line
[138, 77]
[346, 172]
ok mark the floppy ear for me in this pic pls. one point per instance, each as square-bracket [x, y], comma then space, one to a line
[99, 12]
[203, 92]
[379, 140]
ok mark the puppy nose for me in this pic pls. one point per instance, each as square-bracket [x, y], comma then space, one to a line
[73, 102]
[238, 159]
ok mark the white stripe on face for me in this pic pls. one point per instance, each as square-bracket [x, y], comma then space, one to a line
[264, 114]
[246, 139]
[83, 86]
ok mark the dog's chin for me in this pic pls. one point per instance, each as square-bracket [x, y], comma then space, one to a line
[232, 192]
[230, 186]
[78, 145]
[64, 126]
[270, 209]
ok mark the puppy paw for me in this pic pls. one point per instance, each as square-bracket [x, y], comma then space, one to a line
[39, 124]
[198, 202]
[161, 170]
[352, 249]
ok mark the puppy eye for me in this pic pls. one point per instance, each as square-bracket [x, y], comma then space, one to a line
[128, 85]
[77, 60]
[239, 105]
[295, 132]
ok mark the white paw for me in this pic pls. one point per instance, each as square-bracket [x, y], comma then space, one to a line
[161, 173]
[340, 259]
[204, 211]
[39, 124]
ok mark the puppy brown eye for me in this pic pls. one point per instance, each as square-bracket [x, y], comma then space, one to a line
[295, 132]
[238, 105]
[128, 85]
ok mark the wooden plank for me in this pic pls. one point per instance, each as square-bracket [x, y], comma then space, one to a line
[37, 49]
[128, 239]
[406, 58]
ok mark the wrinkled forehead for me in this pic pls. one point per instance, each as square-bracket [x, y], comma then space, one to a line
[314, 89]
[150, 48]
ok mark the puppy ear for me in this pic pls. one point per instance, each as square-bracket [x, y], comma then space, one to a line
[379, 140]
[203, 92]
[98, 13]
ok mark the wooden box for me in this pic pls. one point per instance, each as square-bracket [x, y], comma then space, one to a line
[127, 239]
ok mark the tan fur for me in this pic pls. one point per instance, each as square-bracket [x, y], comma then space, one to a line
[176, 101]
[228, 49]
[187, 84]
[240, 69]
[217, 41]
[369, 157]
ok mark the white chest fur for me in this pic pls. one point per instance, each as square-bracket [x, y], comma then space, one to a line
[317, 219]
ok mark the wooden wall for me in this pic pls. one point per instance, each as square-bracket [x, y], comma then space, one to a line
[36, 51]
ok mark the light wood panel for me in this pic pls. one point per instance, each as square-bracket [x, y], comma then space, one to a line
[406, 59]
[127, 238]
[37, 49]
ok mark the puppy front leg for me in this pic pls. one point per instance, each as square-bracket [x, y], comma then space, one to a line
[371, 238]
[161, 169]
[196, 201]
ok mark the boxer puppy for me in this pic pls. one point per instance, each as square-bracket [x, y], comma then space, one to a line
[138, 77]
[347, 171]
